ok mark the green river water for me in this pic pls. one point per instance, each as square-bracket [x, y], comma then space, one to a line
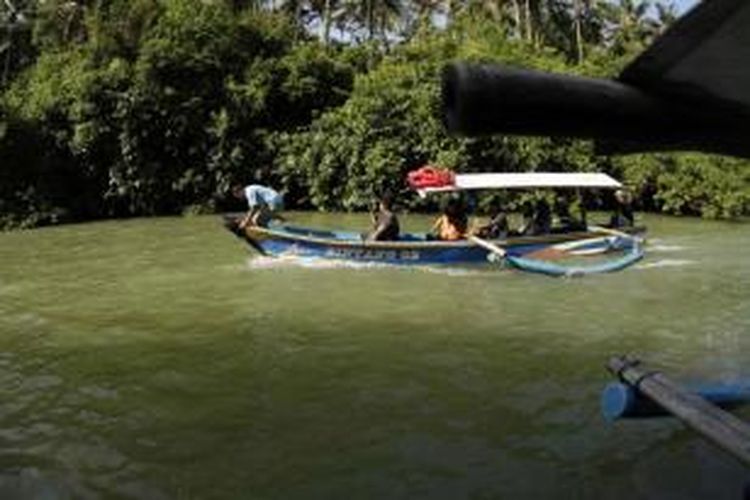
[161, 359]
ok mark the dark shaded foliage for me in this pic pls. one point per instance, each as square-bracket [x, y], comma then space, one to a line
[149, 107]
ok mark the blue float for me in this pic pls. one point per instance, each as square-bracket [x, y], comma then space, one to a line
[620, 400]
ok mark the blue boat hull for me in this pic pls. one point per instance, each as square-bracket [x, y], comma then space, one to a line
[410, 249]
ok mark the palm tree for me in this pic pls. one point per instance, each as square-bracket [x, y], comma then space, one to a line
[572, 25]
[633, 31]
[522, 15]
[240, 5]
[424, 10]
[296, 10]
[15, 25]
[537, 18]
[327, 16]
[376, 17]
[382, 16]
[327, 12]
[666, 15]
[584, 12]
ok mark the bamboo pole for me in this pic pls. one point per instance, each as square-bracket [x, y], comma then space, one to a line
[491, 247]
[721, 428]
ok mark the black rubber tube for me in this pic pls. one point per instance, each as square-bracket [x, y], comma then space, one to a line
[488, 99]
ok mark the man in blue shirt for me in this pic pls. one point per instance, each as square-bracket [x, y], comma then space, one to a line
[264, 204]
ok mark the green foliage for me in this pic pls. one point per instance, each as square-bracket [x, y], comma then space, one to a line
[390, 125]
[689, 184]
[34, 188]
[174, 123]
[713, 187]
[144, 107]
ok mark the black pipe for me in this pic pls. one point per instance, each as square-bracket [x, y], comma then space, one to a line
[487, 99]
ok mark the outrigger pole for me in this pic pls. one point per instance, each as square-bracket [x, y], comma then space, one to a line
[712, 423]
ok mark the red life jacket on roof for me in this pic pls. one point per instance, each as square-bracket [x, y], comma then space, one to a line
[429, 176]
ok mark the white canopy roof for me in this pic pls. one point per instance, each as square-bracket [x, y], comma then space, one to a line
[527, 181]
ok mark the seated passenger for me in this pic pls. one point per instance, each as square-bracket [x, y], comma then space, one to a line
[537, 219]
[384, 222]
[497, 227]
[542, 218]
[527, 224]
[452, 225]
[567, 222]
[623, 216]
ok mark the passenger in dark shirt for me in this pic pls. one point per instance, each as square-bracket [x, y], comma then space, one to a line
[497, 227]
[567, 222]
[623, 216]
[384, 222]
[527, 225]
[542, 218]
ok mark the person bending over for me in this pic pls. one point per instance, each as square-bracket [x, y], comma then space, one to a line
[497, 227]
[264, 204]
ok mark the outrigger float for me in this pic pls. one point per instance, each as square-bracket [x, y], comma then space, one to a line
[529, 253]
[641, 392]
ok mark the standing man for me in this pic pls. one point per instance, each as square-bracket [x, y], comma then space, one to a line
[264, 204]
[623, 216]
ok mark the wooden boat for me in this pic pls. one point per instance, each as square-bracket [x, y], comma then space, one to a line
[286, 240]
[530, 253]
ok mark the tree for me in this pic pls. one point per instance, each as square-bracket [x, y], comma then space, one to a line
[136, 107]
[375, 17]
[631, 29]
[666, 15]
[16, 50]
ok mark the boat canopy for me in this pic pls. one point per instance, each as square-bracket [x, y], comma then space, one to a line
[527, 180]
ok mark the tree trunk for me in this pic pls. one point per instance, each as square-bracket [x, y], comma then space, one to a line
[527, 14]
[6, 66]
[577, 29]
[371, 19]
[517, 18]
[384, 30]
[327, 14]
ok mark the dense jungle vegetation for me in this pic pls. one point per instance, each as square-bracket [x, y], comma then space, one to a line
[117, 108]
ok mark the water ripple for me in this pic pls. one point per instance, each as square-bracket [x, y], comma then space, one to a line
[666, 263]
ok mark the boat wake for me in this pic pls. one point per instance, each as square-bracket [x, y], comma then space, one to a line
[666, 263]
[452, 271]
[263, 263]
[662, 248]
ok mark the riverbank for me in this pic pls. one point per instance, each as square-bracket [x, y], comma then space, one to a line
[423, 220]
